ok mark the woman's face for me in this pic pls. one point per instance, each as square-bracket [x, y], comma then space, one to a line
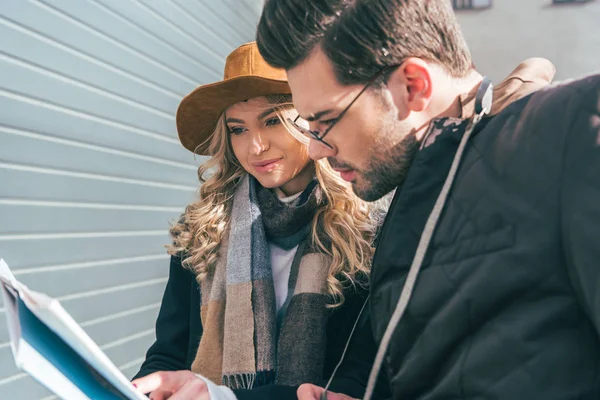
[265, 149]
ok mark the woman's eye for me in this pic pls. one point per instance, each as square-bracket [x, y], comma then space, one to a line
[272, 122]
[237, 130]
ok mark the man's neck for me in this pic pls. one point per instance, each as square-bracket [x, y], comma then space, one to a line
[451, 104]
[448, 100]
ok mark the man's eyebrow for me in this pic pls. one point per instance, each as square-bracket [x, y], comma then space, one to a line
[317, 116]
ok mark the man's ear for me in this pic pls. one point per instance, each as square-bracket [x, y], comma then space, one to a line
[411, 85]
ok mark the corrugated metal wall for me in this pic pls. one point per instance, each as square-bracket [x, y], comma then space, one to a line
[91, 171]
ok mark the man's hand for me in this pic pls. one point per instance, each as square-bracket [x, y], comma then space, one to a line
[312, 392]
[173, 385]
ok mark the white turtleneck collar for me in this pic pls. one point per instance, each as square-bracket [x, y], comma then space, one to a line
[283, 198]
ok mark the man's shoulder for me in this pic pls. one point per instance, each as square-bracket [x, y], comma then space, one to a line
[558, 103]
[546, 121]
[573, 94]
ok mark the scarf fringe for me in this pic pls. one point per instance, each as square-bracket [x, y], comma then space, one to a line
[239, 381]
[249, 380]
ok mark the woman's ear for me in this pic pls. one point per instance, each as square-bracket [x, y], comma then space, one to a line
[411, 85]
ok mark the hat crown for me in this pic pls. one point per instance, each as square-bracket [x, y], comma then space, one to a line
[246, 75]
[247, 61]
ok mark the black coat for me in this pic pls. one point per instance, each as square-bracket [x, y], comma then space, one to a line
[507, 303]
[179, 329]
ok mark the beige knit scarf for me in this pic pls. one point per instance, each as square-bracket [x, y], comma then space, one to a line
[240, 346]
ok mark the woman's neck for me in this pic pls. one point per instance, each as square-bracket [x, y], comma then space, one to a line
[299, 182]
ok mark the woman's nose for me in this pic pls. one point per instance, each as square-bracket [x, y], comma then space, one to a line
[259, 143]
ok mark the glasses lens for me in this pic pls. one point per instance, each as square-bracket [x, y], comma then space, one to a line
[301, 129]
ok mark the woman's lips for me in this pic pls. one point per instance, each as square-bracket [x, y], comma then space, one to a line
[266, 165]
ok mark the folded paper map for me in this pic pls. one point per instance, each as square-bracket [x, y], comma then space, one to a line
[49, 345]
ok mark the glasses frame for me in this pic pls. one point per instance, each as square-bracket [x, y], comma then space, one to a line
[317, 135]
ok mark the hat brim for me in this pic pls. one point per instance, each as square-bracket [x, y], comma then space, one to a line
[199, 111]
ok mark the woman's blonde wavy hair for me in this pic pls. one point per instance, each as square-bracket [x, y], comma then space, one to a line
[343, 228]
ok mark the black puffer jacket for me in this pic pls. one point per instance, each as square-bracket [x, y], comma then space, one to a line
[507, 303]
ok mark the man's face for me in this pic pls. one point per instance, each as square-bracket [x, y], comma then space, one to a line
[373, 143]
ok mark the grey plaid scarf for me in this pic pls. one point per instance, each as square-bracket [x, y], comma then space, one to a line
[240, 346]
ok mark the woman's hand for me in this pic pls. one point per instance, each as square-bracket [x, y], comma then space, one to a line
[173, 385]
[313, 392]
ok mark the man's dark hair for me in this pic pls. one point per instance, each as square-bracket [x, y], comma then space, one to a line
[362, 36]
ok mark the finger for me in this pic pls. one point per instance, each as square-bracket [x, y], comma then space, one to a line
[309, 392]
[313, 392]
[159, 395]
[168, 381]
[338, 396]
[193, 389]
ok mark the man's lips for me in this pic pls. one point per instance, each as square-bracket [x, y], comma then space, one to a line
[347, 174]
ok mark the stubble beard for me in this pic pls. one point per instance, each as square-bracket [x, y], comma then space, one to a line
[389, 160]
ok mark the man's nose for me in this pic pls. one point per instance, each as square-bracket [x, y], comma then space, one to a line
[317, 150]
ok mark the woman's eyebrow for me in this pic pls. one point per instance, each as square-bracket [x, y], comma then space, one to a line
[239, 121]
[266, 113]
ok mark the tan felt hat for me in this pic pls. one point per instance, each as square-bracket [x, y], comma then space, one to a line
[247, 75]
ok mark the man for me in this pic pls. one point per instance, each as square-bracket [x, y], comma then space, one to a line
[498, 221]
[506, 304]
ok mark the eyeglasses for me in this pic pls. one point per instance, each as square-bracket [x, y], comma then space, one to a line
[318, 136]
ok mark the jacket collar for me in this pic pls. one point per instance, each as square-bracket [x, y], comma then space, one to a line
[529, 76]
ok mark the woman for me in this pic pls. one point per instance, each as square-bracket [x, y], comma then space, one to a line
[269, 267]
